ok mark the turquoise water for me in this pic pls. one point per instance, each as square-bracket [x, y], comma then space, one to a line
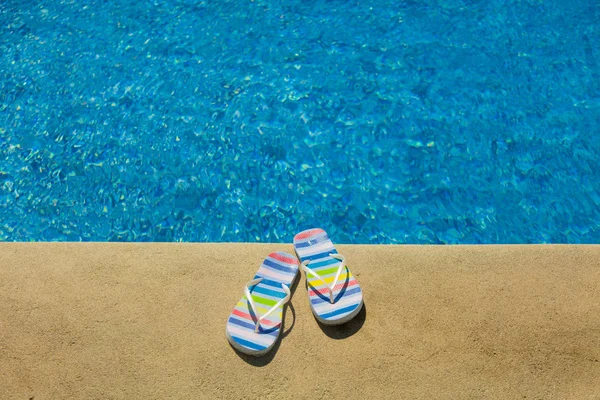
[380, 121]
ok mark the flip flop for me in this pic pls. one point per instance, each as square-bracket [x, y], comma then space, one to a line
[335, 296]
[256, 321]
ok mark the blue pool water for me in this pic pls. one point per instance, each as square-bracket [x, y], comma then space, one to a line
[381, 121]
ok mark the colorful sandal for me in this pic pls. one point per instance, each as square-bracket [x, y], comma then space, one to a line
[335, 296]
[256, 321]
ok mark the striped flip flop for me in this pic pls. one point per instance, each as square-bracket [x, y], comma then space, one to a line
[335, 296]
[256, 321]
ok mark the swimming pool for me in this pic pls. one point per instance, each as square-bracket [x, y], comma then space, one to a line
[380, 121]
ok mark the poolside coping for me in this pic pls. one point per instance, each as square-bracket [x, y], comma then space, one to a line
[147, 321]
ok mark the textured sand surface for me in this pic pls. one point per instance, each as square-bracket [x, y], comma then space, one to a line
[147, 321]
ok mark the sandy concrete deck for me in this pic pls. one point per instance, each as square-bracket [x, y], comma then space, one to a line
[137, 321]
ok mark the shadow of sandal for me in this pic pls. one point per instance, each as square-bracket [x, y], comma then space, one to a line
[347, 329]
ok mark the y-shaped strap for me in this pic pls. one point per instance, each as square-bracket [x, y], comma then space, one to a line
[253, 304]
[340, 257]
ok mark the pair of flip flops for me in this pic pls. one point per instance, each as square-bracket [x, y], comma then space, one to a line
[335, 296]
